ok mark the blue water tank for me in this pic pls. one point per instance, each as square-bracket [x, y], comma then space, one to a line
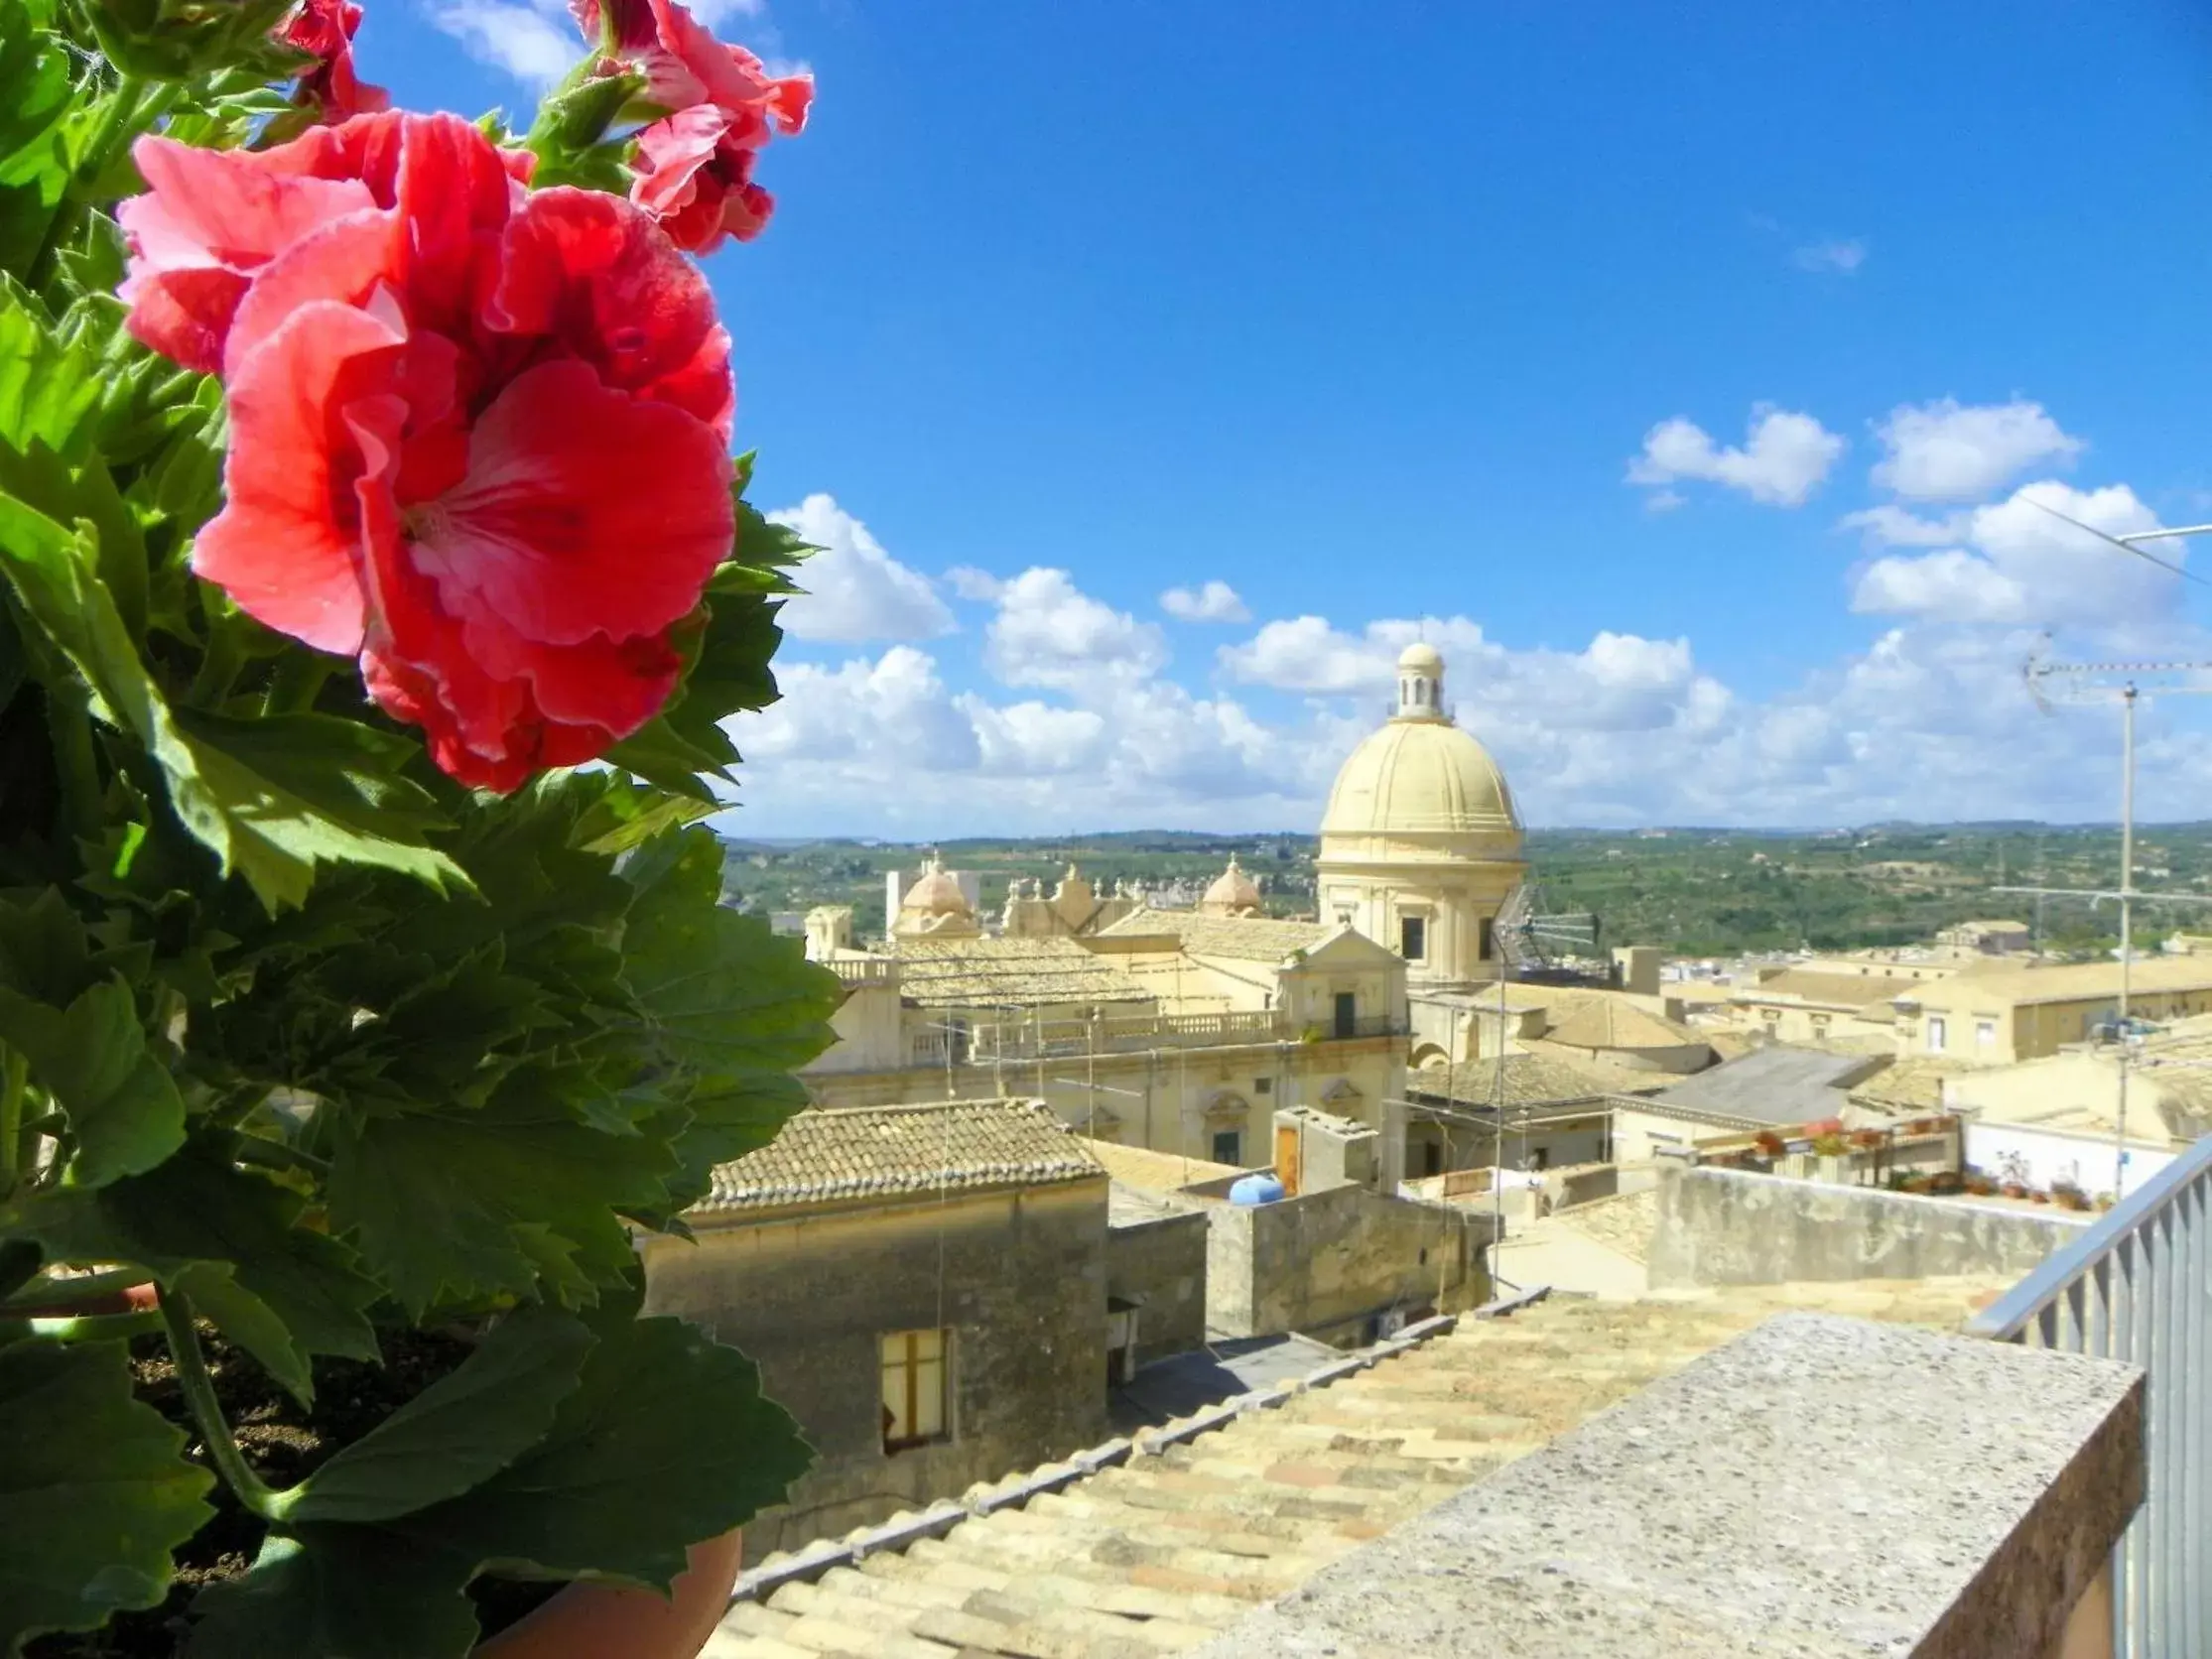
[1257, 1189]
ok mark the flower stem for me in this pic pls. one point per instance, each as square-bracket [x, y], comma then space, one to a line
[299, 681]
[15, 1072]
[276, 1155]
[199, 1394]
[68, 719]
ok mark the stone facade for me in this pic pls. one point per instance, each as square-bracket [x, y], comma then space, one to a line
[1016, 1277]
[1329, 1264]
[1156, 1263]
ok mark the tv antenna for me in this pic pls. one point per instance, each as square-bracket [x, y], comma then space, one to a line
[2052, 684]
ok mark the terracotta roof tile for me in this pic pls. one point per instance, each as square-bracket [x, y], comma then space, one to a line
[1259, 938]
[852, 1152]
[1008, 973]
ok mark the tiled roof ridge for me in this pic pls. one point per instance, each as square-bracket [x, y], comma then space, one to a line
[812, 1561]
[828, 1153]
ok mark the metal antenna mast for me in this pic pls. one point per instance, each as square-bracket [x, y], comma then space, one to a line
[2051, 683]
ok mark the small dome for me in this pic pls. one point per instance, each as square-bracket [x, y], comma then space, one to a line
[1233, 889]
[936, 894]
[1420, 657]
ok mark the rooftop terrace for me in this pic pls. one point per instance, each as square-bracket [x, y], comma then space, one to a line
[1164, 1544]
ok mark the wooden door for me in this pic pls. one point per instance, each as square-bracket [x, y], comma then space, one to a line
[1286, 1158]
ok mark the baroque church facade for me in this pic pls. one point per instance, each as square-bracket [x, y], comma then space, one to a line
[1186, 1030]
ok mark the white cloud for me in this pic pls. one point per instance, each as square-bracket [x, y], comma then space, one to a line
[2021, 564]
[1892, 526]
[1953, 584]
[1951, 451]
[1216, 601]
[1930, 721]
[1048, 632]
[534, 45]
[974, 585]
[537, 42]
[1842, 258]
[855, 589]
[1785, 457]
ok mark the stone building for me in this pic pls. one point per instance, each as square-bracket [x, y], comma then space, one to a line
[1420, 849]
[1185, 1029]
[923, 1286]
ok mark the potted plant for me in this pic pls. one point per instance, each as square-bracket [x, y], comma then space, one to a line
[364, 474]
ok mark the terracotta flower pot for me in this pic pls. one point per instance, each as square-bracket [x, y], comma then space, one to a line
[600, 1621]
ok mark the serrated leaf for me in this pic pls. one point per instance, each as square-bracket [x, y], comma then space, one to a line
[349, 772]
[232, 1244]
[726, 994]
[94, 1490]
[268, 832]
[49, 387]
[458, 1433]
[340, 1593]
[666, 1443]
[34, 171]
[433, 1201]
[124, 1111]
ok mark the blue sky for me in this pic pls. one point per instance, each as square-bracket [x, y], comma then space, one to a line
[1675, 370]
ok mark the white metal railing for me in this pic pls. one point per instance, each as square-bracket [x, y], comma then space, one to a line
[863, 971]
[2138, 1287]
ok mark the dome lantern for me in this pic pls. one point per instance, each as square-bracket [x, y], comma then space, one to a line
[1420, 683]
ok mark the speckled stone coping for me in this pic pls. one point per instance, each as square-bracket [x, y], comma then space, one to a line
[1819, 1487]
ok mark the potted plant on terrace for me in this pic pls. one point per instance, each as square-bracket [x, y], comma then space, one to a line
[364, 474]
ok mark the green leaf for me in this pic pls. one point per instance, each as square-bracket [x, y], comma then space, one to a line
[94, 1491]
[347, 770]
[41, 478]
[726, 995]
[49, 387]
[270, 833]
[34, 171]
[277, 838]
[125, 1113]
[458, 1433]
[232, 1244]
[340, 1593]
[668, 1442]
[434, 1201]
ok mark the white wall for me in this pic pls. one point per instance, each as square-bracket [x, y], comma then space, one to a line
[2053, 1157]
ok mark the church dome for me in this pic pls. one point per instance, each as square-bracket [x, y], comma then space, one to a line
[1232, 892]
[934, 894]
[1420, 657]
[1420, 777]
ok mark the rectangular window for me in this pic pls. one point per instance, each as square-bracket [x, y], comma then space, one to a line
[1985, 1034]
[1487, 940]
[1263, 1085]
[1347, 1014]
[914, 1388]
[1229, 1147]
[1414, 938]
[1935, 1033]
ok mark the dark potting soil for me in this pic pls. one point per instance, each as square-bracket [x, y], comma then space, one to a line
[284, 1444]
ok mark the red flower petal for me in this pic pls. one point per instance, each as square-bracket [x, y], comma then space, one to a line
[211, 219]
[584, 511]
[283, 547]
[601, 278]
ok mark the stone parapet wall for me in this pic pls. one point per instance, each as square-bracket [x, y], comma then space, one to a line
[1720, 1226]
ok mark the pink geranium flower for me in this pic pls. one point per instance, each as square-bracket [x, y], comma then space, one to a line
[325, 29]
[695, 165]
[478, 438]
